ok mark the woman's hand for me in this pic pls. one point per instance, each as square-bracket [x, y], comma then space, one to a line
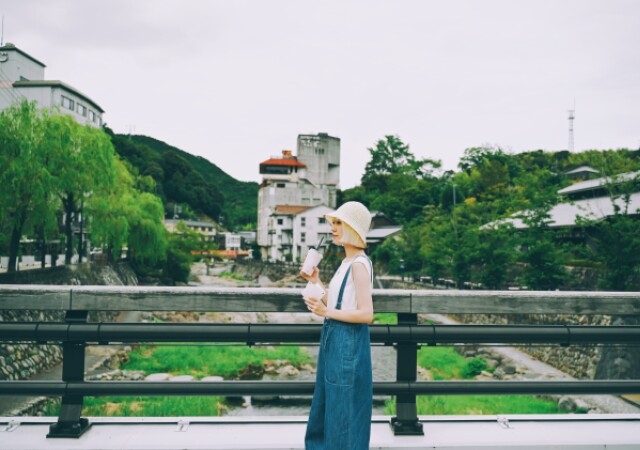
[316, 306]
[314, 277]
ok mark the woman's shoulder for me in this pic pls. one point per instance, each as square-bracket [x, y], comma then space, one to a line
[364, 261]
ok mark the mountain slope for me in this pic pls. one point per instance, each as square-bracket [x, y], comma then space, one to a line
[186, 178]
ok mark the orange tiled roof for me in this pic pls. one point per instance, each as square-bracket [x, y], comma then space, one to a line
[292, 162]
[290, 210]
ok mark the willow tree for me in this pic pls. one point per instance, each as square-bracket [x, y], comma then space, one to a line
[147, 242]
[83, 166]
[123, 216]
[24, 173]
[109, 210]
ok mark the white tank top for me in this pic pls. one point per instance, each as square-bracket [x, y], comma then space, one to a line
[349, 295]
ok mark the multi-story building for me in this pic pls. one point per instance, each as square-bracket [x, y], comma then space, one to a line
[292, 189]
[22, 77]
[206, 229]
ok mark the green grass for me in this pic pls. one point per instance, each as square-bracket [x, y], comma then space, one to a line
[233, 276]
[198, 361]
[445, 363]
[479, 405]
[146, 406]
[201, 361]
[385, 318]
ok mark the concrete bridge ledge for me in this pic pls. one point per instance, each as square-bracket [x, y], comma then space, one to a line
[522, 432]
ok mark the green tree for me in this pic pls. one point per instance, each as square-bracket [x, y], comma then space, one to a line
[496, 255]
[147, 241]
[182, 244]
[392, 156]
[83, 162]
[109, 212]
[544, 259]
[24, 175]
[124, 216]
[615, 241]
[436, 245]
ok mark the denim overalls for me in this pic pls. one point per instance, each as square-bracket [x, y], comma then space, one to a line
[340, 416]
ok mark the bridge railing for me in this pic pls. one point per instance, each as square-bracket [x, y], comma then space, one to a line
[407, 336]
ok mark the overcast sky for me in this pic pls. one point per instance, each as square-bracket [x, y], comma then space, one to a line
[237, 81]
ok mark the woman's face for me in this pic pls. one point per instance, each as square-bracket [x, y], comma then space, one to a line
[336, 231]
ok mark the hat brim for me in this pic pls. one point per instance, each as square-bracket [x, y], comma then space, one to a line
[329, 217]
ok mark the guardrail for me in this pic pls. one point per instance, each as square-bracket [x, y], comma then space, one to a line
[407, 336]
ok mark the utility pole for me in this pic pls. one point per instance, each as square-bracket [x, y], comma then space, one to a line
[572, 116]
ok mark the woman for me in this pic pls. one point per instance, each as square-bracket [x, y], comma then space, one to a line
[340, 416]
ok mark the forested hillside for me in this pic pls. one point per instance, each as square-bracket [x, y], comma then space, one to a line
[197, 186]
[443, 214]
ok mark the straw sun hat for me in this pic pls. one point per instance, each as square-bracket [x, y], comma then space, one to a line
[356, 216]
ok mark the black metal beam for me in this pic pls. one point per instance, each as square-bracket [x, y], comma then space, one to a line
[147, 388]
[303, 333]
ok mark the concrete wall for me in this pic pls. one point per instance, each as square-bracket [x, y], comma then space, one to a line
[17, 65]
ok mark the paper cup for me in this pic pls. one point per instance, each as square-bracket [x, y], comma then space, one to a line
[312, 260]
[313, 290]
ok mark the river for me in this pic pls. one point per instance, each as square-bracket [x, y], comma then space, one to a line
[383, 357]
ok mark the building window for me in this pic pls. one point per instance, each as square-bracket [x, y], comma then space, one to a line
[92, 116]
[321, 220]
[81, 109]
[280, 221]
[66, 102]
[303, 222]
[280, 185]
[303, 237]
[319, 151]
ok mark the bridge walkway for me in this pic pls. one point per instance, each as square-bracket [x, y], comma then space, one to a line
[571, 432]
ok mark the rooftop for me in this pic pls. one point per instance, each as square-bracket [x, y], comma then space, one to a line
[599, 182]
[377, 234]
[56, 83]
[581, 169]
[290, 162]
[290, 210]
[11, 47]
[565, 214]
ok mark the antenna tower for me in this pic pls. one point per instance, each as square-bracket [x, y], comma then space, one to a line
[2, 33]
[572, 116]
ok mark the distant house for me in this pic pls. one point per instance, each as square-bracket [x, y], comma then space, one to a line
[296, 228]
[248, 238]
[206, 229]
[582, 173]
[229, 241]
[381, 228]
[22, 77]
[588, 200]
[309, 229]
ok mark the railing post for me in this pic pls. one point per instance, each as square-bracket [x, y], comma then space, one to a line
[406, 422]
[70, 424]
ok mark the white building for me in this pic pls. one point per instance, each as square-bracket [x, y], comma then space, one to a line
[229, 241]
[292, 185]
[22, 77]
[206, 229]
[588, 199]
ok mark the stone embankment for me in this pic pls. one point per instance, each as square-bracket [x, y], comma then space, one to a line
[21, 361]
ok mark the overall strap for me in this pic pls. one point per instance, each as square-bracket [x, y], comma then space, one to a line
[346, 276]
[344, 283]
